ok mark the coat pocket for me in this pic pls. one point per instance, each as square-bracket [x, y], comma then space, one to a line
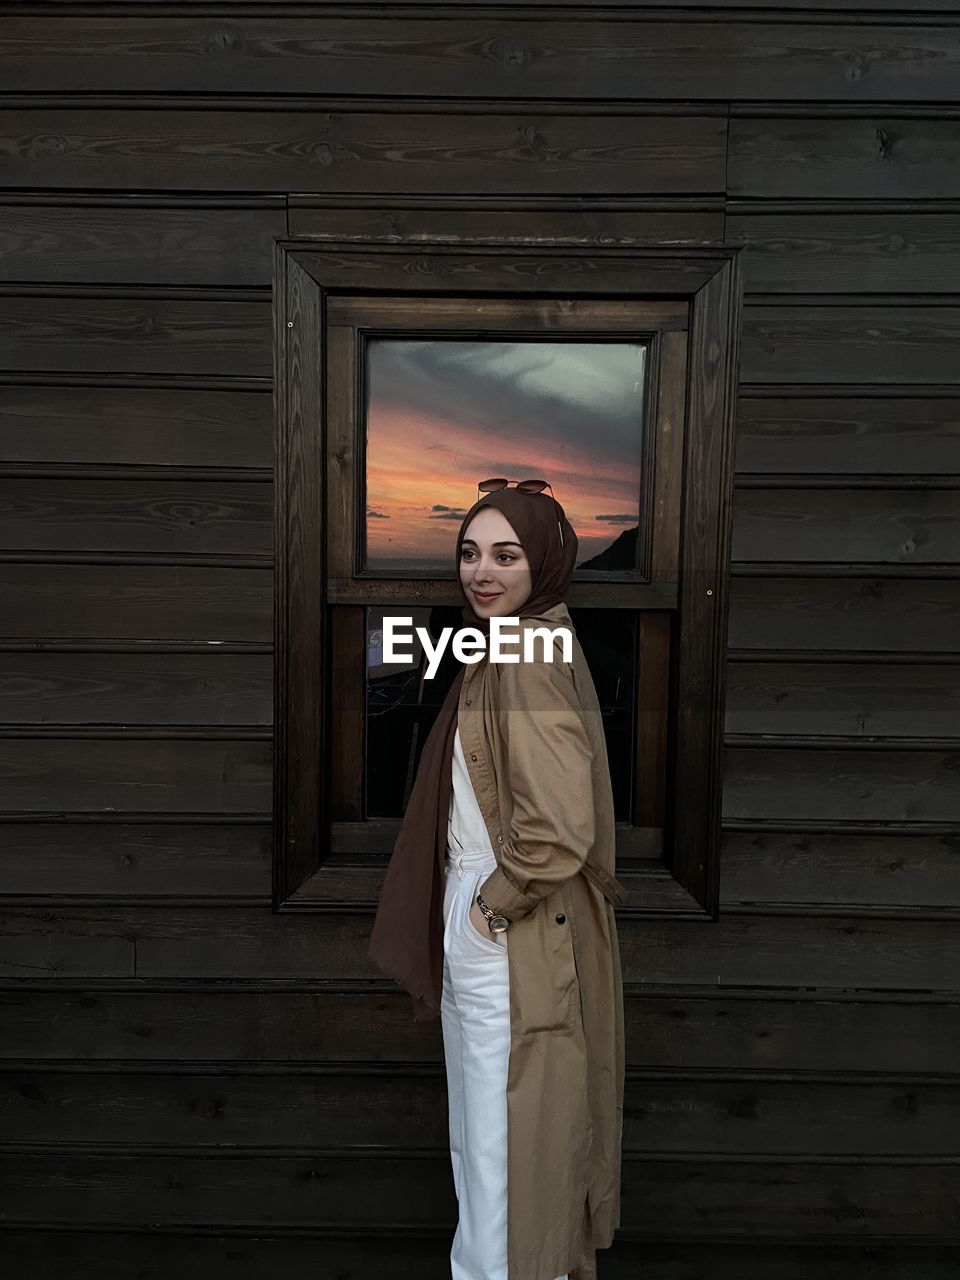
[549, 988]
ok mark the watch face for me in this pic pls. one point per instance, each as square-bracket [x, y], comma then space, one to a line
[499, 924]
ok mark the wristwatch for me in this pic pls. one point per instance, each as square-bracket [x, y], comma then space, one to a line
[495, 923]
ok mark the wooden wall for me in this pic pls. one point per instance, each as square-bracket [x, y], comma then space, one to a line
[192, 1086]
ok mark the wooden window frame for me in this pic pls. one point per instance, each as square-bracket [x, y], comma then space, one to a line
[688, 299]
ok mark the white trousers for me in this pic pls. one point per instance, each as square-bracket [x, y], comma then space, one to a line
[475, 1021]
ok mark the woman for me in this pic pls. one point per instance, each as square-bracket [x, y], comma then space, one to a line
[515, 771]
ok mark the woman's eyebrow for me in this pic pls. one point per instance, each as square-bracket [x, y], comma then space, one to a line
[494, 544]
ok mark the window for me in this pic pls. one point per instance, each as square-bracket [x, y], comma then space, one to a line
[439, 412]
[399, 386]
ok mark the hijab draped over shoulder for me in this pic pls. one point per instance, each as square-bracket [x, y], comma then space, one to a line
[406, 941]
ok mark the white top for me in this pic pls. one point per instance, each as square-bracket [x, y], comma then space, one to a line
[466, 829]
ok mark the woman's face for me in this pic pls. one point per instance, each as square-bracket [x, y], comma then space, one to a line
[494, 570]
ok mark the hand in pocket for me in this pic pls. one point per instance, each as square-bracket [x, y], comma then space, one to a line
[478, 921]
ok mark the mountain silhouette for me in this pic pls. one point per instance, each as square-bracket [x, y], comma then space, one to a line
[621, 554]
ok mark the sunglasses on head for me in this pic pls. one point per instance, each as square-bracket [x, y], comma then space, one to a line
[523, 486]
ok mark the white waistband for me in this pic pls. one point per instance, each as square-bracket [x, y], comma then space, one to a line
[474, 859]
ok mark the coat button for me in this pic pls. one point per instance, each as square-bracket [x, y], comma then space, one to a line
[473, 757]
[466, 702]
[499, 839]
[560, 918]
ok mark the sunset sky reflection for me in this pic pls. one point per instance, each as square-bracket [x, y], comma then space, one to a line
[443, 414]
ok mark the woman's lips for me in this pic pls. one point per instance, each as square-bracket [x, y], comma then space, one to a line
[483, 597]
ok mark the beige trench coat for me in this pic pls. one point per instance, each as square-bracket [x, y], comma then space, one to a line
[533, 740]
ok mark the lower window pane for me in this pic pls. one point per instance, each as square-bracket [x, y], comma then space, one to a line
[402, 704]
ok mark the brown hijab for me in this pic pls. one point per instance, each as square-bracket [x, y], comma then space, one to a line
[406, 941]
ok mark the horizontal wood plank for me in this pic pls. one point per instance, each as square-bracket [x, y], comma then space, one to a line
[149, 335]
[222, 942]
[876, 155]
[394, 1114]
[469, 55]
[170, 860]
[532, 219]
[116, 1255]
[866, 433]
[152, 1255]
[211, 688]
[747, 1032]
[884, 869]
[908, 615]
[854, 8]
[118, 425]
[855, 785]
[129, 775]
[118, 860]
[185, 517]
[692, 1197]
[213, 605]
[853, 252]
[431, 152]
[136, 243]
[873, 344]
[848, 699]
[834, 525]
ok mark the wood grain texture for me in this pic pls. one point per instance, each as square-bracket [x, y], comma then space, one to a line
[59, 422]
[880, 869]
[164, 688]
[774, 951]
[855, 785]
[822, 699]
[159, 861]
[848, 252]
[321, 150]
[262, 1026]
[264, 1255]
[130, 775]
[475, 55]
[854, 614]
[194, 1085]
[395, 1113]
[188, 518]
[318, 1190]
[150, 334]
[135, 242]
[873, 344]
[876, 432]
[876, 155]
[868, 526]
[205, 605]
[892, 870]
[532, 218]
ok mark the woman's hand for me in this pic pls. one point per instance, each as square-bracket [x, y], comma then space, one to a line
[479, 921]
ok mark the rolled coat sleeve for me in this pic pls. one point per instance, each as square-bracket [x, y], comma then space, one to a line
[549, 762]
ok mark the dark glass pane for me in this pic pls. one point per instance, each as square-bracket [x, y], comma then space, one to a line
[608, 638]
[402, 704]
[442, 415]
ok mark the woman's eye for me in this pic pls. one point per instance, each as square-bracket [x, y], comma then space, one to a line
[504, 556]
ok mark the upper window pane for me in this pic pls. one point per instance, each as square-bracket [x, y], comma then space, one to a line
[441, 415]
